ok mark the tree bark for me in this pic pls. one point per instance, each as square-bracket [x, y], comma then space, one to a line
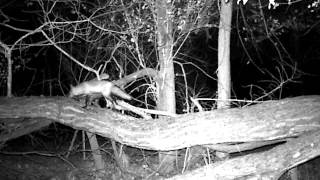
[165, 80]
[224, 77]
[264, 165]
[270, 121]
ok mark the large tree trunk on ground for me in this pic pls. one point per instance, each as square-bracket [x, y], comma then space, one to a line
[264, 165]
[270, 120]
[265, 122]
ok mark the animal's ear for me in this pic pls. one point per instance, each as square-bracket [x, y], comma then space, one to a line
[71, 90]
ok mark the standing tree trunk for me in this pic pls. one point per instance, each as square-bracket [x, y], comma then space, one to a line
[224, 77]
[165, 79]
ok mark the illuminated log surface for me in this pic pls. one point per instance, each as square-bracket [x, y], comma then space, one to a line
[270, 164]
[267, 122]
[270, 120]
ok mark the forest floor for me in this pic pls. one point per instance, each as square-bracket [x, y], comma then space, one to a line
[43, 156]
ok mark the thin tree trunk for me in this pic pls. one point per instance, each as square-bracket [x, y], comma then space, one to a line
[224, 77]
[96, 153]
[165, 81]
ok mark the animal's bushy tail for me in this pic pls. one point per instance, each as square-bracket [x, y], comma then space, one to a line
[120, 93]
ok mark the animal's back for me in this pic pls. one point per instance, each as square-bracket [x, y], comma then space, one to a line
[106, 88]
[87, 87]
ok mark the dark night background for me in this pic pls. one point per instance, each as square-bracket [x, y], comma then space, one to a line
[283, 63]
[291, 49]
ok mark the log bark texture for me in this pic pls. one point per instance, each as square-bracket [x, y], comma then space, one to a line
[293, 119]
[264, 165]
[270, 120]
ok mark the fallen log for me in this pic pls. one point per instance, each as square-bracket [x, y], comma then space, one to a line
[270, 120]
